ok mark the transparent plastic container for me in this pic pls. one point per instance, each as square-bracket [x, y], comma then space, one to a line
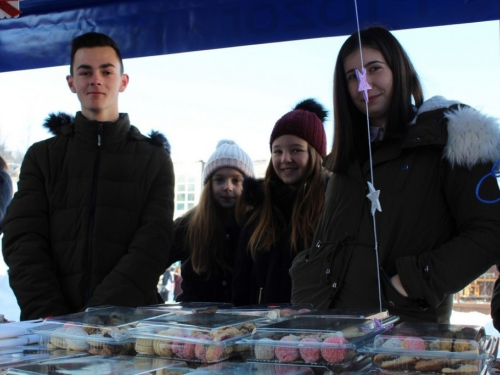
[317, 341]
[381, 316]
[16, 355]
[206, 338]
[271, 311]
[180, 308]
[230, 368]
[102, 365]
[97, 331]
[432, 348]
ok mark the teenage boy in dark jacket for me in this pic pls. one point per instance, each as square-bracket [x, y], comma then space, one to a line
[91, 223]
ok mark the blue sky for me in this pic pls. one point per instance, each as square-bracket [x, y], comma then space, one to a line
[198, 98]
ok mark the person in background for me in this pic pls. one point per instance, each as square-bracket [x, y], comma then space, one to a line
[206, 237]
[5, 189]
[283, 208]
[431, 233]
[92, 221]
[165, 285]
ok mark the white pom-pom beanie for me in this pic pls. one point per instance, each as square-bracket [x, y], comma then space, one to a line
[228, 155]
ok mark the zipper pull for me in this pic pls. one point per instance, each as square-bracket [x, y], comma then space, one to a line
[99, 132]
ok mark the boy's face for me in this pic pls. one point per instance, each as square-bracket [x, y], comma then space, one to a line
[97, 80]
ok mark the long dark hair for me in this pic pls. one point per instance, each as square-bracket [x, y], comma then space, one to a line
[350, 139]
[205, 234]
[307, 208]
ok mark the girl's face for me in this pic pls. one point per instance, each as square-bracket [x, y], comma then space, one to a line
[290, 158]
[227, 186]
[378, 76]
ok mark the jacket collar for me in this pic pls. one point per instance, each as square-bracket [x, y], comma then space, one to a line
[108, 132]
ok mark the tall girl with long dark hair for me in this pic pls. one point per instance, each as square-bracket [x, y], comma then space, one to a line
[285, 207]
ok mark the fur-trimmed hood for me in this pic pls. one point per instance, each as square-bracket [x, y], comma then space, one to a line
[472, 137]
[63, 123]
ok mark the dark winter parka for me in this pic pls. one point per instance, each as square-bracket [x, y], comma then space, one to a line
[433, 231]
[495, 303]
[91, 222]
[202, 288]
[265, 279]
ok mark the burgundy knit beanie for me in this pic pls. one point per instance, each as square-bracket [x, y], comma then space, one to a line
[306, 122]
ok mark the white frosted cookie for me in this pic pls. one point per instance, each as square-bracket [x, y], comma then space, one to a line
[76, 343]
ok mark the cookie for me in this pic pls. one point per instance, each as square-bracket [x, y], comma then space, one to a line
[264, 352]
[200, 349]
[462, 370]
[144, 346]
[332, 354]
[287, 353]
[431, 365]
[56, 341]
[182, 348]
[74, 343]
[399, 363]
[310, 353]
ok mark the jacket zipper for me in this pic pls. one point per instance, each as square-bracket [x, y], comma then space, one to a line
[93, 198]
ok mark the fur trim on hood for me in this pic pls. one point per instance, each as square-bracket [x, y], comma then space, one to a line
[473, 137]
[56, 121]
[159, 139]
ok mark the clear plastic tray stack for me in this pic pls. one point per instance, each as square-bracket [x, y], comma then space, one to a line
[432, 348]
[97, 331]
[317, 341]
[206, 338]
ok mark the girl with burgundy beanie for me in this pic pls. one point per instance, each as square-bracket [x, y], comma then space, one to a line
[283, 208]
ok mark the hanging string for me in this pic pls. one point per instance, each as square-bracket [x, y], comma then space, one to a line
[373, 194]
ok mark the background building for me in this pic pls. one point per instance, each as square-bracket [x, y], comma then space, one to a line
[189, 183]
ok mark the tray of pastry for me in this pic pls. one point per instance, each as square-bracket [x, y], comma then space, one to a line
[271, 311]
[318, 341]
[97, 331]
[381, 316]
[102, 365]
[432, 348]
[206, 338]
[180, 308]
[16, 355]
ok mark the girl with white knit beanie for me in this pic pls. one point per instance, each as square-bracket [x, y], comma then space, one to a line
[206, 237]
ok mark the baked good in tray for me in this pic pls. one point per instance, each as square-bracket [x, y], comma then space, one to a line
[323, 341]
[207, 338]
[97, 331]
[432, 348]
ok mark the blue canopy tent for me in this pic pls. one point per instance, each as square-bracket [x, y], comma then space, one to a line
[40, 36]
